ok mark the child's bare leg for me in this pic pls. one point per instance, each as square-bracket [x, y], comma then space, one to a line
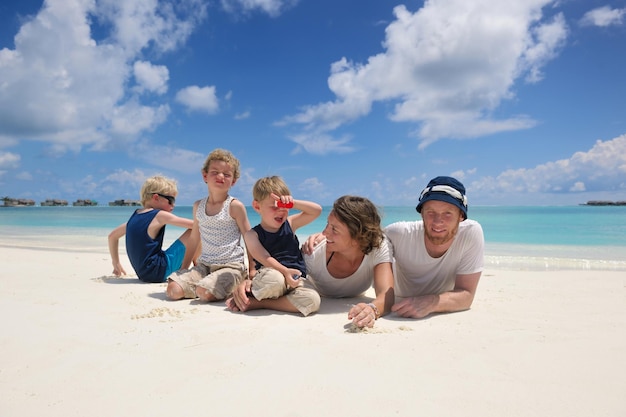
[174, 291]
[192, 249]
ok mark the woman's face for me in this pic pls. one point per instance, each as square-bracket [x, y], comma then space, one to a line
[337, 234]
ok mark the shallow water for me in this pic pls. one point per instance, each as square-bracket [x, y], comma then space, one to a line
[521, 238]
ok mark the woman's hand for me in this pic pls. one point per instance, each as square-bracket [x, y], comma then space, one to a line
[362, 315]
[311, 242]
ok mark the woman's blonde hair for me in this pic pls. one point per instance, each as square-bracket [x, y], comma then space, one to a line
[361, 218]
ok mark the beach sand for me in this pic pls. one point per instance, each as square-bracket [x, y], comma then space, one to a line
[77, 342]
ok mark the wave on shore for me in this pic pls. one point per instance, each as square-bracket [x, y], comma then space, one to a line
[497, 256]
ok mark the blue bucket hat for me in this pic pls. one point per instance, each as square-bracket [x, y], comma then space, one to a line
[447, 189]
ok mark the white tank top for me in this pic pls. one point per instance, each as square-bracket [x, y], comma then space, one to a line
[220, 236]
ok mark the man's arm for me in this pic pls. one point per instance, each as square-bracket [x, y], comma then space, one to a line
[459, 299]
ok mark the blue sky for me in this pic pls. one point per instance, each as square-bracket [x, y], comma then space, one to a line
[524, 101]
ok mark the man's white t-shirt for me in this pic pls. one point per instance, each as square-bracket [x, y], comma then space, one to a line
[356, 284]
[417, 273]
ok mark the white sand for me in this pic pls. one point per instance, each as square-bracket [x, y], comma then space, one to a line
[76, 342]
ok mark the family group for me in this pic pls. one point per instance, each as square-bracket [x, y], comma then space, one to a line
[416, 268]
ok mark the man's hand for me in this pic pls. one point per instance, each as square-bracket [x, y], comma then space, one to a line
[416, 307]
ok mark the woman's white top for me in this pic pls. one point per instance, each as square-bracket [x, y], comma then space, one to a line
[356, 284]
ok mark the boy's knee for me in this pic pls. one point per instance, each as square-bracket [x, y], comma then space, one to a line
[311, 303]
[174, 291]
[268, 290]
[316, 302]
[306, 300]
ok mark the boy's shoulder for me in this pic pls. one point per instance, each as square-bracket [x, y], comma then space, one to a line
[144, 209]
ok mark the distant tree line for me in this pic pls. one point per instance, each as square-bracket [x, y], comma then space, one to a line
[604, 203]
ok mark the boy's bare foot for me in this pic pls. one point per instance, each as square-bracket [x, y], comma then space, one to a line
[231, 305]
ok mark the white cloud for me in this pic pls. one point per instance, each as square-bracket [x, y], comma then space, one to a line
[124, 184]
[548, 40]
[271, 7]
[136, 24]
[447, 66]
[24, 176]
[602, 168]
[9, 160]
[461, 175]
[201, 99]
[62, 86]
[175, 159]
[151, 77]
[121, 176]
[313, 188]
[603, 16]
[578, 186]
[242, 116]
[313, 185]
[87, 185]
[321, 144]
[132, 118]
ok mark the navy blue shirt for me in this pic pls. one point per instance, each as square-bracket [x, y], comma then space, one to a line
[282, 246]
[146, 254]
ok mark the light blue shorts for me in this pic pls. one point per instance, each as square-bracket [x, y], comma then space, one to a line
[175, 255]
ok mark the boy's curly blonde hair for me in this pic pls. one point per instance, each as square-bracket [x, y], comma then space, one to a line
[225, 156]
[157, 184]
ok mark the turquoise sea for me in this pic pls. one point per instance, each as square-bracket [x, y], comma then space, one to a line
[524, 237]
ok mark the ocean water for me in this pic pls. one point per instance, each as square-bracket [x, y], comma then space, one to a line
[521, 238]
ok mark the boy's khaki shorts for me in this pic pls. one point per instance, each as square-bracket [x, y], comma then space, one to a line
[269, 283]
[219, 280]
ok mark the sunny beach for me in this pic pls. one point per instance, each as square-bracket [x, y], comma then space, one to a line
[518, 105]
[77, 340]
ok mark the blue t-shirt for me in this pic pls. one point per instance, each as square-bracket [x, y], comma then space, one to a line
[146, 254]
[282, 246]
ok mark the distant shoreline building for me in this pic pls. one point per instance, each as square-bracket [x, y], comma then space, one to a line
[53, 202]
[604, 203]
[84, 203]
[125, 203]
[17, 202]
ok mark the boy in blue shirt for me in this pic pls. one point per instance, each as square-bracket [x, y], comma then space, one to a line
[145, 231]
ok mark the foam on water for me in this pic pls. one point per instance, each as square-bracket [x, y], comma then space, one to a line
[519, 238]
